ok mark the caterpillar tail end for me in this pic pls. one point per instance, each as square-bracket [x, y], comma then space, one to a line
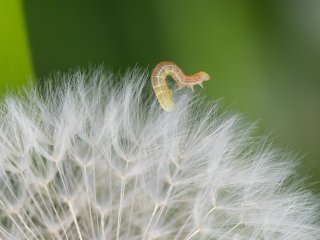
[167, 106]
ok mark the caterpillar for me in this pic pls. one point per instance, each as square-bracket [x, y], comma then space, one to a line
[161, 88]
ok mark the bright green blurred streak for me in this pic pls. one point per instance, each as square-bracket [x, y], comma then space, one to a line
[15, 61]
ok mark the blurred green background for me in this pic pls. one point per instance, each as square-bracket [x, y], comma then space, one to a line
[264, 56]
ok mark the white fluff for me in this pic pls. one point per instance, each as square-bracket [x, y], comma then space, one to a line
[98, 159]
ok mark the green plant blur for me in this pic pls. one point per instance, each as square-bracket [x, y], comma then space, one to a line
[15, 60]
[263, 56]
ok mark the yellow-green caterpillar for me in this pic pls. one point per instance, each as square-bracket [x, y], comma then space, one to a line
[161, 88]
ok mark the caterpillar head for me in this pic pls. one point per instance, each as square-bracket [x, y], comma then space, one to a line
[204, 76]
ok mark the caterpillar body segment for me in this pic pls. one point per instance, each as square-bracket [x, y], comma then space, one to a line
[163, 92]
[161, 88]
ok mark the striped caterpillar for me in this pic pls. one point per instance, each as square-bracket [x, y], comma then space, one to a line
[161, 88]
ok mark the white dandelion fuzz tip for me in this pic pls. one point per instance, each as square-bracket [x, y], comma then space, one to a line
[93, 158]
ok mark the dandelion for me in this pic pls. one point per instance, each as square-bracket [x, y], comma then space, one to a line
[97, 158]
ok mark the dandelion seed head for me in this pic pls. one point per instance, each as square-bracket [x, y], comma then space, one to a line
[95, 157]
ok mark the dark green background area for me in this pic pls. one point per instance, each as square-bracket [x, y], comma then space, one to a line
[264, 56]
[67, 34]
